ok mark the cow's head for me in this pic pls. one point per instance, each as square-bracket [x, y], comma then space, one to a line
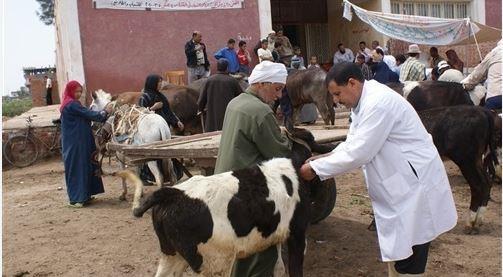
[304, 146]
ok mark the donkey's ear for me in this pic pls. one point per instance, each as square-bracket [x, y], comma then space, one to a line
[94, 95]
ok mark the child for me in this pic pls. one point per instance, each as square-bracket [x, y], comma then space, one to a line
[313, 62]
[298, 56]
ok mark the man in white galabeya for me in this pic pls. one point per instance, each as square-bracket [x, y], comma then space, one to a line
[405, 177]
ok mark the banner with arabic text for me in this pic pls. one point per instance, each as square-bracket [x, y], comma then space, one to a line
[175, 5]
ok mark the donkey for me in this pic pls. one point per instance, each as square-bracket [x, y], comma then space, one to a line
[151, 127]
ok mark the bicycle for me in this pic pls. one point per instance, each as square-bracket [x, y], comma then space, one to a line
[23, 150]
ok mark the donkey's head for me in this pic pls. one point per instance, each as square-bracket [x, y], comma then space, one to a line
[100, 100]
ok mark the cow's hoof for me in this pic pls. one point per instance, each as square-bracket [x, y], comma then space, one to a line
[472, 230]
[122, 198]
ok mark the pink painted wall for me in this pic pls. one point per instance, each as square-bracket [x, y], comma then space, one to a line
[493, 13]
[121, 47]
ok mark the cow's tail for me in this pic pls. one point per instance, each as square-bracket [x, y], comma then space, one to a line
[132, 179]
[491, 144]
[159, 196]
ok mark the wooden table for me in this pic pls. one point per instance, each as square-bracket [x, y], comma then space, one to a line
[203, 148]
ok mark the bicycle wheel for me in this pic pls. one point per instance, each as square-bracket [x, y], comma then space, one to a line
[20, 151]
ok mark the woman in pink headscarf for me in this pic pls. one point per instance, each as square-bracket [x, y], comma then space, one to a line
[79, 150]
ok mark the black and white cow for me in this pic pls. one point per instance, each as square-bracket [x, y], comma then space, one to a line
[208, 222]
[464, 134]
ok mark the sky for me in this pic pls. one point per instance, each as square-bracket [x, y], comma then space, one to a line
[27, 42]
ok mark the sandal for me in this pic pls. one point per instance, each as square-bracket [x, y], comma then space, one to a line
[76, 205]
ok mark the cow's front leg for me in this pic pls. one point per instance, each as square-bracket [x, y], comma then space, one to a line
[171, 266]
[296, 246]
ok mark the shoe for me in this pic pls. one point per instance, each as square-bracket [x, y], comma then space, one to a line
[91, 199]
[76, 205]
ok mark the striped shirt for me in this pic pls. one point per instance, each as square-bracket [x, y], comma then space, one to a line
[412, 70]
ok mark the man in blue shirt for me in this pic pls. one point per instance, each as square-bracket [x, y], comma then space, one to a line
[230, 54]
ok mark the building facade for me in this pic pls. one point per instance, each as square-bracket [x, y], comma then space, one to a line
[115, 49]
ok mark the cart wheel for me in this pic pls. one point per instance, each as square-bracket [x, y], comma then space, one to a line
[323, 198]
[20, 151]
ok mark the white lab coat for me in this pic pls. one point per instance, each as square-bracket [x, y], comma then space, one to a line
[386, 138]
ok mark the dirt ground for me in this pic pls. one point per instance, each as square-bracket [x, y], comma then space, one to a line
[43, 237]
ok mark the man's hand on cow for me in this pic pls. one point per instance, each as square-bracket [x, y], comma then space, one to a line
[306, 172]
[156, 106]
[180, 125]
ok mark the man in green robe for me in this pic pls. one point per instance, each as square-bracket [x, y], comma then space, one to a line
[250, 134]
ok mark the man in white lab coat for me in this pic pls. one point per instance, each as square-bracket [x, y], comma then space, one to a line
[405, 177]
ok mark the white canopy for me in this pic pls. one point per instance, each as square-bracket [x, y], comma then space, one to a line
[424, 29]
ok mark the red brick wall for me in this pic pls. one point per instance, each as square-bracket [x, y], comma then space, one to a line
[493, 13]
[121, 47]
[38, 92]
[468, 54]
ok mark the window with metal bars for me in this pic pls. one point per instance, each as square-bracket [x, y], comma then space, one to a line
[445, 9]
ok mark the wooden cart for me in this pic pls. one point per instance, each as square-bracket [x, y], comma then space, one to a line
[203, 149]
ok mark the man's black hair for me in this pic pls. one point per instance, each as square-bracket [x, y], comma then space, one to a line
[230, 41]
[264, 41]
[339, 45]
[342, 72]
[401, 58]
[241, 43]
[362, 42]
[222, 65]
[379, 51]
[434, 49]
[195, 33]
[413, 54]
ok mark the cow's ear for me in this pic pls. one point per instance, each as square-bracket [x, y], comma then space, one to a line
[94, 95]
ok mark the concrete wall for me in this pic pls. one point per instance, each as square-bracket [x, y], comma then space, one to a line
[121, 47]
[493, 13]
[68, 45]
[350, 33]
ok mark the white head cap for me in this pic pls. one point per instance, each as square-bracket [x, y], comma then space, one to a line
[268, 71]
[442, 65]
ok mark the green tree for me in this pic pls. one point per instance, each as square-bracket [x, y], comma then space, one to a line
[46, 11]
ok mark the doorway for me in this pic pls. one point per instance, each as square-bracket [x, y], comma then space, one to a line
[305, 23]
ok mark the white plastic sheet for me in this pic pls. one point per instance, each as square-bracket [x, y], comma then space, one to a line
[414, 29]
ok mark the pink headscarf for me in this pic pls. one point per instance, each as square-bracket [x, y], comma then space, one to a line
[69, 94]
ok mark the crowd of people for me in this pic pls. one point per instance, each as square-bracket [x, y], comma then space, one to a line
[400, 182]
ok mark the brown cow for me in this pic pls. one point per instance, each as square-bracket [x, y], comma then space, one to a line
[182, 100]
